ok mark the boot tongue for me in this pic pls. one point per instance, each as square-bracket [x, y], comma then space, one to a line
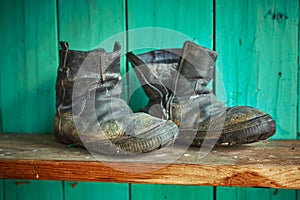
[162, 56]
[162, 64]
[197, 65]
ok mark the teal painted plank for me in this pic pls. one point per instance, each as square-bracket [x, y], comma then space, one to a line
[173, 192]
[91, 24]
[190, 18]
[93, 191]
[258, 65]
[173, 22]
[298, 117]
[28, 62]
[1, 190]
[31, 190]
[258, 57]
[85, 24]
[1, 114]
[226, 193]
[165, 24]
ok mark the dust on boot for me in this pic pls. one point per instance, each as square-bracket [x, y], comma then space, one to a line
[90, 113]
[175, 80]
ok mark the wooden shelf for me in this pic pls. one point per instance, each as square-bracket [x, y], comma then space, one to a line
[273, 164]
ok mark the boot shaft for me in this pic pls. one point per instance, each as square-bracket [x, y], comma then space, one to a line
[197, 66]
[83, 70]
[183, 71]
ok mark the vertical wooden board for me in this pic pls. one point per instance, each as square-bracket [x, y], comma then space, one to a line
[258, 57]
[91, 191]
[232, 193]
[257, 62]
[1, 114]
[90, 24]
[87, 23]
[28, 63]
[31, 190]
[173, 192]
[1, 190]
[191, 18]
[298, 116]
[171, 23]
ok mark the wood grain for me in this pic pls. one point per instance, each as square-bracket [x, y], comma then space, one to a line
[170, 26]
[257, 60]
[274, 164]
[28, 65]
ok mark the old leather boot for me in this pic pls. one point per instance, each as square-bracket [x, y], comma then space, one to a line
[175, 80]
[90, 113]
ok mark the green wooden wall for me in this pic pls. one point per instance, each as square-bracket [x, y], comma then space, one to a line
[258, 45]
[28, 53]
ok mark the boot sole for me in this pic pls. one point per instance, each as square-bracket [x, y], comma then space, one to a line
[129, 145]
[264, 128]
[252, 131]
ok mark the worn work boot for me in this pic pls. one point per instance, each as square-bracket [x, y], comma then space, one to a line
[90, 113]
[175, 80]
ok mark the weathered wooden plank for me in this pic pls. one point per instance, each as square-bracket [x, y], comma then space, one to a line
[267, 164]
[28, 62]
[33, 190]
[225, 193]
[174, 192]
[92, 190]
[241, 175]
[257, 61]
[87, 25]
[45, 147]
[258, 57]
